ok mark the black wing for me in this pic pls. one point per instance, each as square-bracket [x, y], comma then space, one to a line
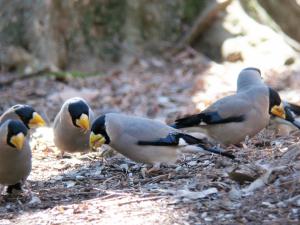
[290, 117]
[207, 118]
[173, 140]
[294, 108]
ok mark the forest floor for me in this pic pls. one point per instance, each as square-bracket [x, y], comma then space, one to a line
[261, 187]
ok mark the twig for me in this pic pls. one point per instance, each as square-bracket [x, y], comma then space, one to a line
[109, 179]
[7, 80]
[151, 179]
[141, 200]
[204, 20]
[160, 178]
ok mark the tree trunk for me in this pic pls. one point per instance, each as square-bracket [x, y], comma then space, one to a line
[88, 34]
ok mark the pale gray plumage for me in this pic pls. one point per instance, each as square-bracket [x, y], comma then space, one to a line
[230, 119]
[9, 114]
[67, 136]
[15, 164]
[144, 140]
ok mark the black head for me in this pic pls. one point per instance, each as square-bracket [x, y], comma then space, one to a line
[98, 127]
[25, 112]
[275, 104]
[15, 127]
[274, 99]
[76, 109]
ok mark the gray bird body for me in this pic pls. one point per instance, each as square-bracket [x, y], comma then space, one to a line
[146, 140]
[9, 114]
[67, 137]
[248, 103]
[15, 165]
[230, 119]
[125, 131]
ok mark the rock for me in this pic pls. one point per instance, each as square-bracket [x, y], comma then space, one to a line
[234, 194]
[269, 177]
[290, 155]
[35, 201]
[245, 173]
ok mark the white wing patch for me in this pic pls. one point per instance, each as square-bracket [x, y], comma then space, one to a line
[182, 142]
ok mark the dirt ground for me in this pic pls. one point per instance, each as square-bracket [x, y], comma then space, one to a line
[260, 187]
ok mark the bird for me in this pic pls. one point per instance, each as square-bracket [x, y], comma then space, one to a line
[284, 126]
[71, 126]
[15, 154]
[30, 118]
[26, 114]
[231, 119]
[292, 111]
[145, 140]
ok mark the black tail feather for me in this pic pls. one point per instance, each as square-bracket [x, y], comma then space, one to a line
[290, 117]
[204, 144]
[188, 121]
[217, 151]
[294, 108]
[208, 118]
[296, 124]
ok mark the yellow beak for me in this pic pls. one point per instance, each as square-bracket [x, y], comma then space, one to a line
[18, 140]
[278, 111]
[83, 122]
[96, 140]
[36, 121]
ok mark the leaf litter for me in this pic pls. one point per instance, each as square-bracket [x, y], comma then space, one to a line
[262, 187]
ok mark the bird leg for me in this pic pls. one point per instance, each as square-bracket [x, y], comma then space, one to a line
[1, 191]
[1, 188]
[29, 193]
[63, 155]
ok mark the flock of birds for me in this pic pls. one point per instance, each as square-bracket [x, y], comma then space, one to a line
[76, 129]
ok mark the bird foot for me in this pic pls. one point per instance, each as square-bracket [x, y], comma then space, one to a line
[155, 168]
[14, 189]
[107, 153]
[63, 155]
